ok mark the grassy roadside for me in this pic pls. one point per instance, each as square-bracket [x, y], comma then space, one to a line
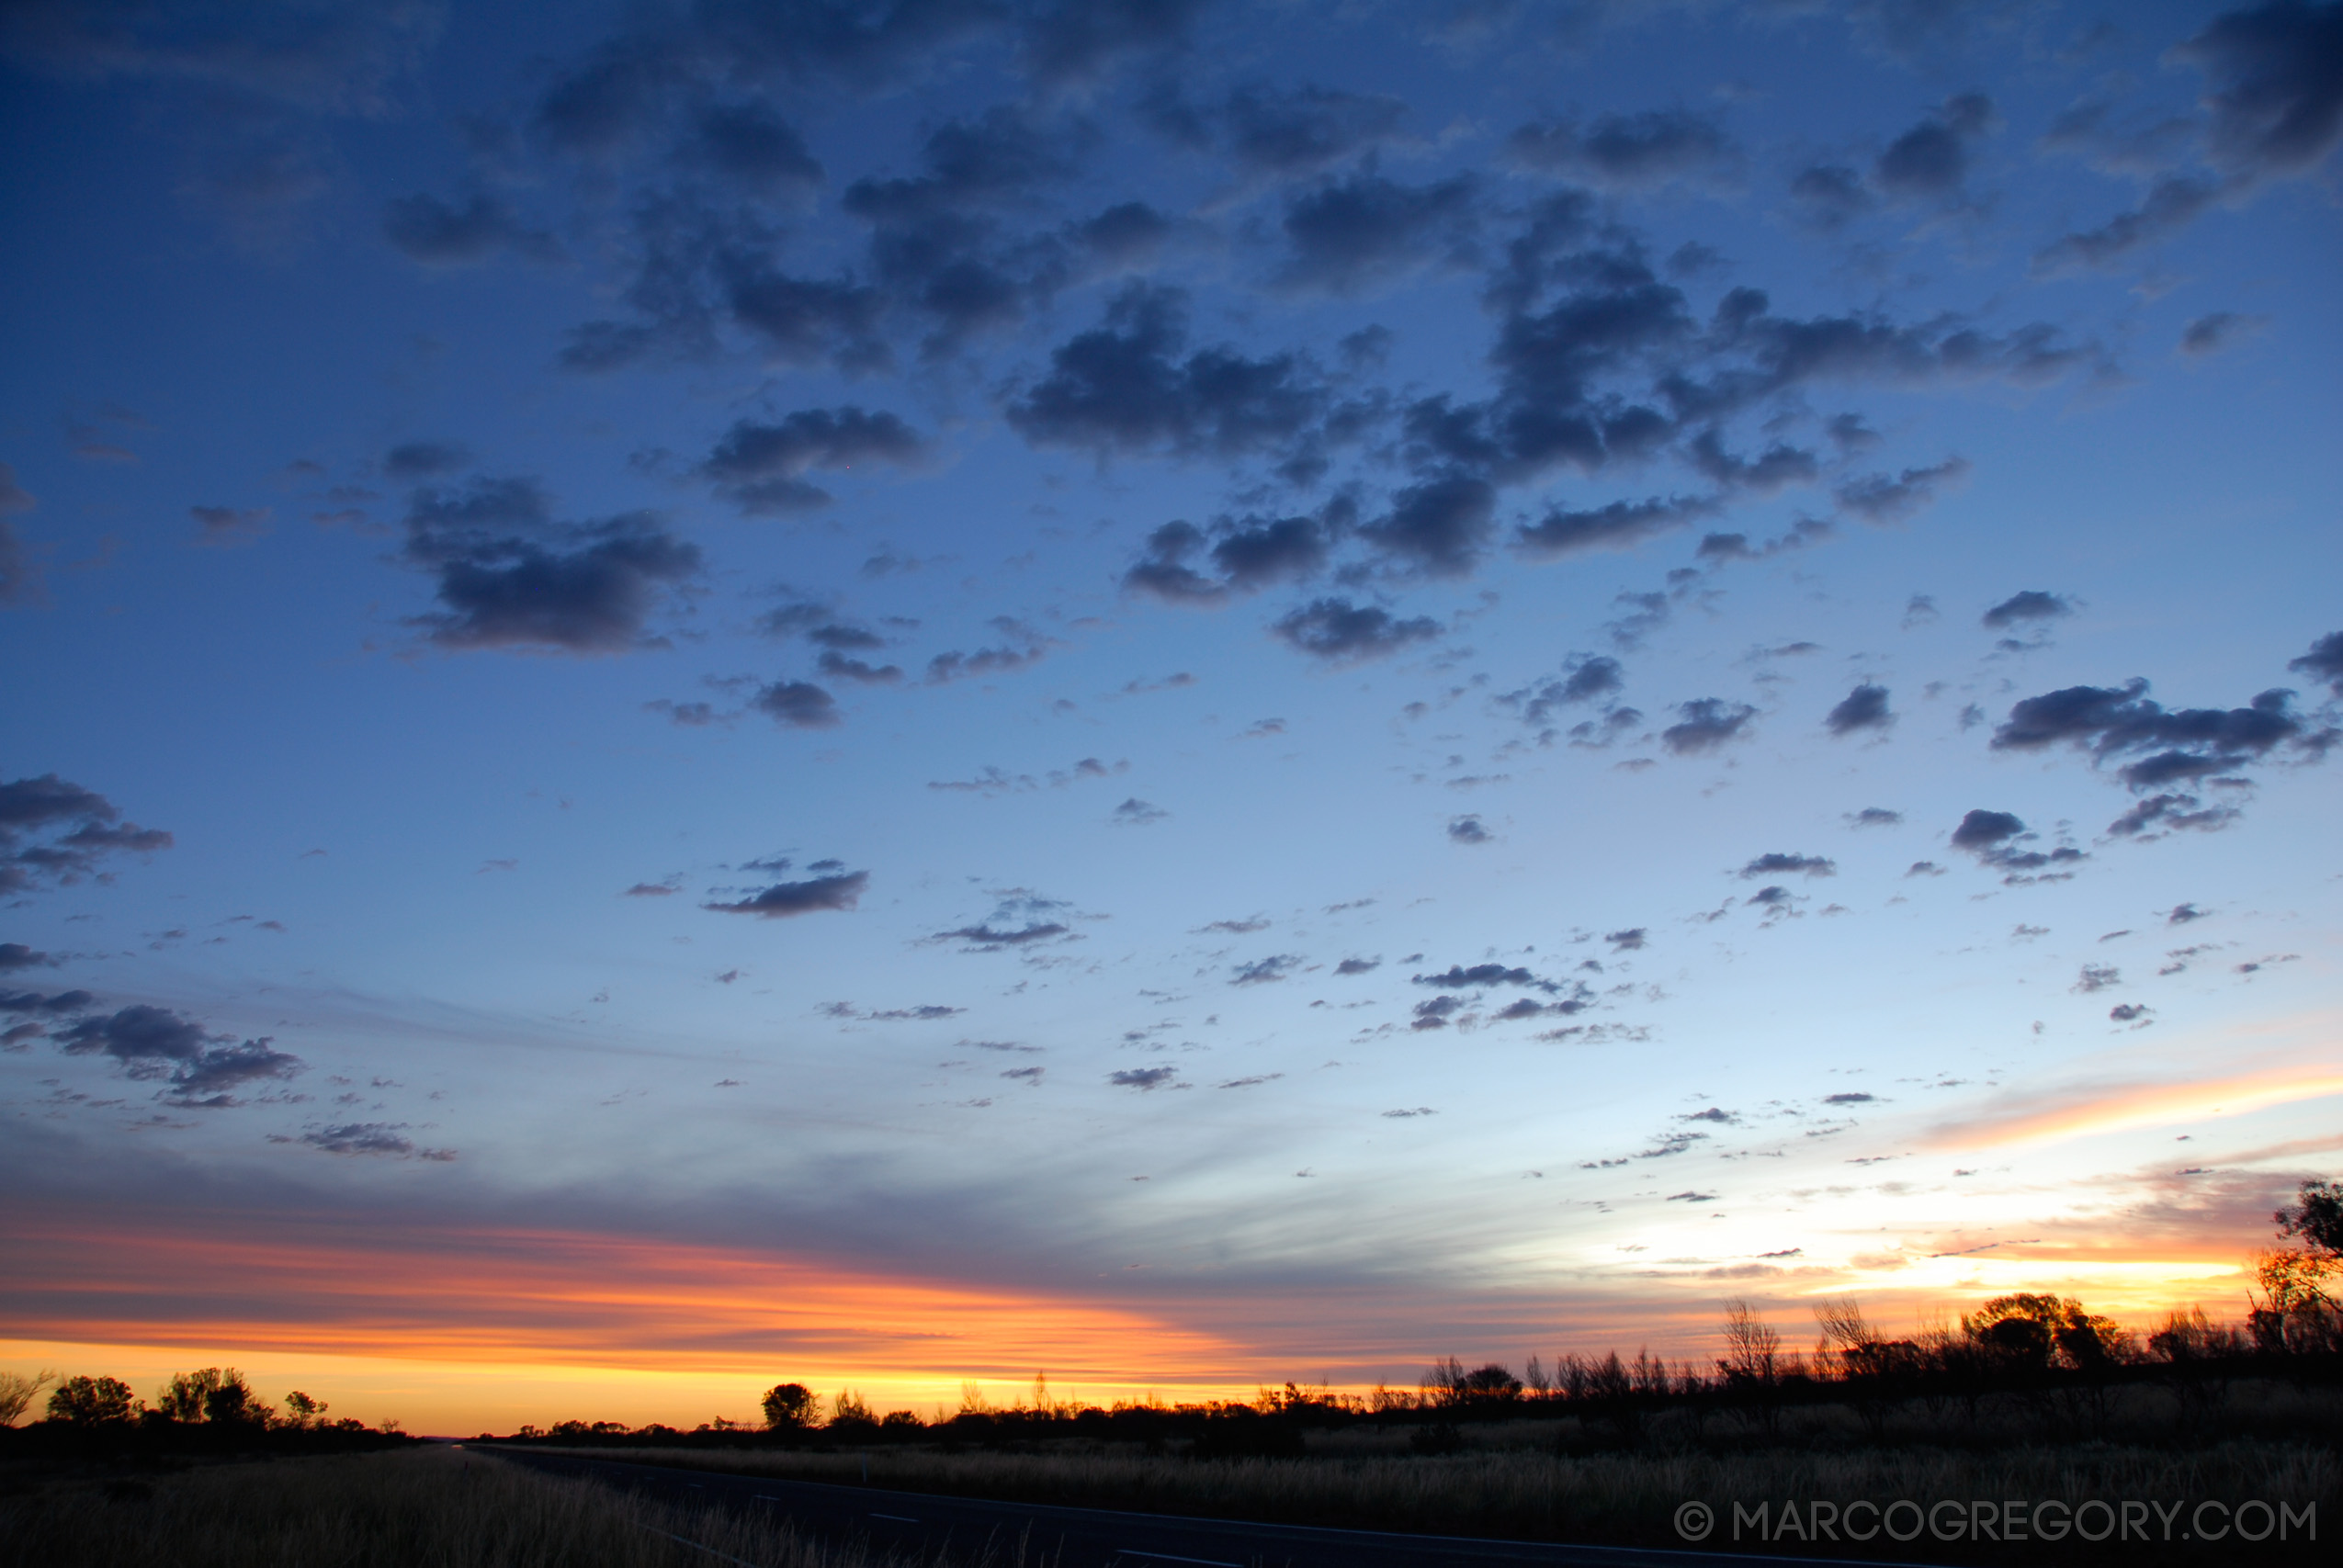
[434, 1506]
[1529, 1492]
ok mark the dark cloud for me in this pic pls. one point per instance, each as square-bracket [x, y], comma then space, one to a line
[1144, 1078]
[1438, 526]
[2169, 744]
[1137, 813]
[207, 1077]
[2276, 75]
[381, 1139]
[1458, 976]
[1632, 940]
[1932, 159]
[1779, 464]
[1125, 386]
[424, 228]
[1884, 497]
[156, 1042]
[1761, 354]
[1262, 971]
[990, 938]
[1286, 134]
[1435, 1013]
[1071, 41]
[698, 269]
[2160, 814]
[1338, 630]
[1128, 233]
[1982, 830]
[841, 890]
[1830, 195]
[2034, 605]
[17, 955]
[1250, 553]
[1777, 864]
[760, 469]
[2130, 1013]
[413, 460]
[1849, 1098]
[55, 832]
[2172, 204]
[2097, 978]
[1995, 837]
[751, 146]
[2323, 662]
[1707, 723]
[1876, 817]
[800, 704]
[226, 527]
[1619, 525]
[1468, 830]
[33, 1001]
[1588, 678]
[1357, 965]
[2211, 334]
[1024, 645]
[937, 246]
[837, 665]
[512, 577]
[1632, 151]
[1863, 708]
[1255, 552]
[1350, 233]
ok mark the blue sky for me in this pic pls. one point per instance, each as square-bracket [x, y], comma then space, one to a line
[1355, 681]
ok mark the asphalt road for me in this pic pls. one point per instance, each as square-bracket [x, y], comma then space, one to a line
[919, 1522]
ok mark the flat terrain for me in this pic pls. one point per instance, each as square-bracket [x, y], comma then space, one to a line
[925, 1524]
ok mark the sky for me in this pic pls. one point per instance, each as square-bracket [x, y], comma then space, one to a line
[1178, 694]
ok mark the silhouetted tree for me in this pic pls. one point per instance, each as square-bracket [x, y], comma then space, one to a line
[182, 1398]
[1491, 1384]
[790, 1406]
[229, 1401]
[18, 1391]
[2195, 1354]
[91, 1401]
[302, 1410]
[2315, 1217]
[1752, 1364]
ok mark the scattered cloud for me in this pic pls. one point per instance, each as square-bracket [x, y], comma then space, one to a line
[838, 891]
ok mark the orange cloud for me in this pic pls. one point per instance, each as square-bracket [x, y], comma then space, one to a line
[2090, 1110]
[487, 1295]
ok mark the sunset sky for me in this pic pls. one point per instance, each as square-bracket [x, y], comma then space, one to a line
[1175, 694]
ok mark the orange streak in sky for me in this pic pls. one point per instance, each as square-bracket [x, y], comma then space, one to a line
[494, 1295]
[2089, 1110]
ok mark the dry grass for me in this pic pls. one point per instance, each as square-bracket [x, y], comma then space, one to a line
[417, 1508]
[1514, 1483]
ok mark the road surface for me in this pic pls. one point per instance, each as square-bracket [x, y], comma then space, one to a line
[919, 1522]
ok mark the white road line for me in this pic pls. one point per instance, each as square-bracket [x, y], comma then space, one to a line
[1167, 1557]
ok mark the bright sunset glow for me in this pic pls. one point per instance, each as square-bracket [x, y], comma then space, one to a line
[1178, 695]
